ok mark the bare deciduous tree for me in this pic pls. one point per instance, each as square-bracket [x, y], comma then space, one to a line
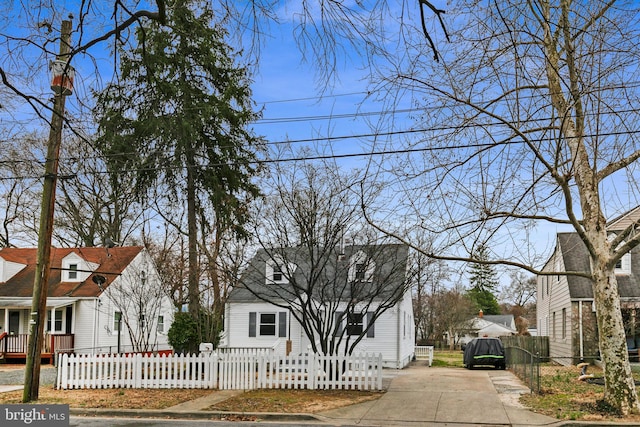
[334, 277]
[531, 119]
[138, 297]
[427, 280]
[455, 314]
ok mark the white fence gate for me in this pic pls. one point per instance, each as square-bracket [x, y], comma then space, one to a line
[424, 352]
[225, 371]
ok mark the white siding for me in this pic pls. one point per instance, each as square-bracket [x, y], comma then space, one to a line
[394, 332]
[94, 326]
[85, 323]
[237, 328]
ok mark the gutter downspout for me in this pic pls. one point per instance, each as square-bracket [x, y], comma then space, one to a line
[96, 304]
[580, 329]
[398, 340]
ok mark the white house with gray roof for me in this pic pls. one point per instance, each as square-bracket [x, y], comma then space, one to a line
[489, 325]
[360, 291]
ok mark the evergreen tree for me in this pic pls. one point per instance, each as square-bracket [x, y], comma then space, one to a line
[179, 116]
[484, 282]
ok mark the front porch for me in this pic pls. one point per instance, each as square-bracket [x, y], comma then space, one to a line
[14, 347]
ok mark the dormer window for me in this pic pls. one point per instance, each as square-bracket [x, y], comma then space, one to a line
[73, 271]
[277, 273]
[76, 269]
[9, 269]
[623, 265]
[361, 268]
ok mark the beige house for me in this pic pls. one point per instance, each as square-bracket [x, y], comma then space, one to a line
[565, 305]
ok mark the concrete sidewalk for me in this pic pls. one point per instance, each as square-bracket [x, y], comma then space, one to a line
[417, 396]
[422, 396]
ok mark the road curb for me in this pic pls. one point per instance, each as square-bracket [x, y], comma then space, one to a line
[201, 415]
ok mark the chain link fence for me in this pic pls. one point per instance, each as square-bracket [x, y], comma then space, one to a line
[532, 368]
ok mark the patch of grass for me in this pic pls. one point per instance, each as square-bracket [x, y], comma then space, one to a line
[565, 397]
[111, 398]
[293, 401]
[447, 358]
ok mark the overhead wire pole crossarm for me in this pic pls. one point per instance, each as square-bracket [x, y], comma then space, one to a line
[43, 263]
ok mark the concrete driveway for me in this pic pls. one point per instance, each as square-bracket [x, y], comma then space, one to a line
[424, 396]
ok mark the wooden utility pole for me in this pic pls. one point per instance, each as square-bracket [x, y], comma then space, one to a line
[43, 266]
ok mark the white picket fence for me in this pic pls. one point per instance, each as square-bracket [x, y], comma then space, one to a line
[424, 352]
[222, 371]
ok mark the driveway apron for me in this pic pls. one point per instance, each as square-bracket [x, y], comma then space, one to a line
[427, 396]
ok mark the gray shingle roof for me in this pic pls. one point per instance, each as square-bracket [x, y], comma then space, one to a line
[501, 319]
[328, 270]
[576, 258]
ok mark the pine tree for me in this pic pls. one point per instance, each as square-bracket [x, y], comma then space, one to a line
[484, 282]
[179, 115]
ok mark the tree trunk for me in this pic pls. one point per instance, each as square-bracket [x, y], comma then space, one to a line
[193, 287]
[620, 389]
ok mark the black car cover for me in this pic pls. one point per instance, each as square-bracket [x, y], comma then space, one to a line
[484, 351]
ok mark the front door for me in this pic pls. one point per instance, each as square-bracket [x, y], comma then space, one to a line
[14, 322]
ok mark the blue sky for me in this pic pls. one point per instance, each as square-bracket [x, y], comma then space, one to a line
[296, 105]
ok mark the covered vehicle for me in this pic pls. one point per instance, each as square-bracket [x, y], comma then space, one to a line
[484, 352]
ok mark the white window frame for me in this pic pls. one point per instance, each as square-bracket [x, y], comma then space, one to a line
[57, 320]
[72, 272]
[624, 264]
[160, 326]
[356, 264]
[361, 324]
[260, 324]
[115, 323]
[283, 270]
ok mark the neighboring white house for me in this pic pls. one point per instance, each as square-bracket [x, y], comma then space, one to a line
[489, 325]
[91, 292]
[250, 322]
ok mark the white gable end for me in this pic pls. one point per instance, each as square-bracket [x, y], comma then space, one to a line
[9, 269]
[76, 269]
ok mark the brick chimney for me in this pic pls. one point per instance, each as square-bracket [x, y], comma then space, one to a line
[480, 314]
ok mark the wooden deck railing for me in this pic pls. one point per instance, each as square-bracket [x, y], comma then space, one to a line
[17, 345]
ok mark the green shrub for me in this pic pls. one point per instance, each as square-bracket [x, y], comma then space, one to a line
[183, 334]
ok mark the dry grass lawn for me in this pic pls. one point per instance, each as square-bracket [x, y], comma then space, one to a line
[293, 401]
[272, 400]
[281, 401]
[110, 398]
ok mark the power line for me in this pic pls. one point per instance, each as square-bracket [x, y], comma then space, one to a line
[311, 98]
[336, 156]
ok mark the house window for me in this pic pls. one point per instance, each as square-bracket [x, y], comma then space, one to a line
[268, 324]
[277, 272]
[57, 322]
[73, 271]
[623, 265]
[361, 268]
[355, 324]
[160, 324]
[117, 321]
